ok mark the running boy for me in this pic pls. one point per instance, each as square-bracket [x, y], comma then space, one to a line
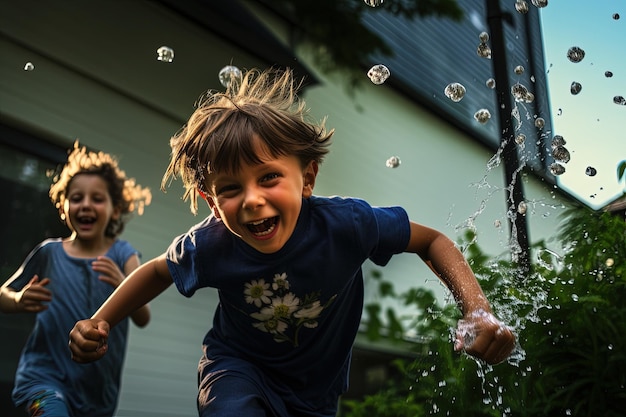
[286, 263]
[64, 280]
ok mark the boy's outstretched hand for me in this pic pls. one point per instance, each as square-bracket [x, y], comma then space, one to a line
[88, 340]
[483, 336]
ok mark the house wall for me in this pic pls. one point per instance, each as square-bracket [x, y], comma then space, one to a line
[96, 79]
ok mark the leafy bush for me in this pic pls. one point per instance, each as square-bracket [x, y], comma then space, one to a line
[569, 316]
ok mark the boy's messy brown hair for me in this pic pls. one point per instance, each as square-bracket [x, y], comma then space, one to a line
[219, 135]
[125, 194]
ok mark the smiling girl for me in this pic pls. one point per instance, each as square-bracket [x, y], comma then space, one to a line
[64, 280]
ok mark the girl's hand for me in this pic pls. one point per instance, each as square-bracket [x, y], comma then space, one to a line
[88, 340]
[485, 337]
[33, 296]
[111, 273]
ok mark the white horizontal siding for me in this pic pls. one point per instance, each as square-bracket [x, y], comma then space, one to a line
[96, 78]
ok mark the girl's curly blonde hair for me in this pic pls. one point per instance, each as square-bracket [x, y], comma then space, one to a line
[125, 194]
[220, 134]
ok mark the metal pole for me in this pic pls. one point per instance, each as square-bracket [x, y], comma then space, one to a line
[514, 188]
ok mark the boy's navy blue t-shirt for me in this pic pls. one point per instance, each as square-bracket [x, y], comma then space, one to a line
[292, 315]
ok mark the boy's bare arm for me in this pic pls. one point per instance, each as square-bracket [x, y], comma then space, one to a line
[491, 340]
[88, 337]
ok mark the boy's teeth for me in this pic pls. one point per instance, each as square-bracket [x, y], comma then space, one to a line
[262, 227]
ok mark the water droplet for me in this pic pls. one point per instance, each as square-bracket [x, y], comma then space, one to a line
[491, 83]
[616, 16]
[575, 54]
[521, 6]
[378, 74]
[575, 297]
[561, 154]
[591, 171]
[519, 70]
[619, 100]
[482, 116]
[557, 169]
[484, 51]
[540, 122]
[520, 138]
[610, 346]
[522, 207]
[608, 74]
[484, 37]
[609, 262]
[373, 3]
[558, 140]
[519, 92]
[540, 3]
[497, 223]
[393, 162]
[575, 88]
[228, 74]
[165, 54]
[454, 91]
[29, 66]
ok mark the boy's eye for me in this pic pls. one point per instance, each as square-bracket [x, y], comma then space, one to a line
[270, 177]
[227, 189]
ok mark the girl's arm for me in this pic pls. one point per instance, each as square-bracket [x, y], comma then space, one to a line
[88, 338]
[32, 298]
[492, 340]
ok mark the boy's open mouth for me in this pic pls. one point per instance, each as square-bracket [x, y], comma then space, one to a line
[262, 227]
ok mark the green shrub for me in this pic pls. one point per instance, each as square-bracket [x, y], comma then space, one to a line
[570, 318]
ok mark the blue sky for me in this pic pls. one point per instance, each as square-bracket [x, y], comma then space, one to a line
[593, 126]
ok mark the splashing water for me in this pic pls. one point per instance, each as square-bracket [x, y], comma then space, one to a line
[558, 140]
[557, 169]
[393, 162]
[373, 3]
[482, 116]
[521, 6]
[483, 50]
[540, 3]
[229, 74]
[575, 54]
[575, 88]
[561, 154]
[165, 54]
[455, 92]
[378, 74]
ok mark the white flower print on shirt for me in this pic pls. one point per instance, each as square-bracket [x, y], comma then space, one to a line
[257, 292]
[282, 313]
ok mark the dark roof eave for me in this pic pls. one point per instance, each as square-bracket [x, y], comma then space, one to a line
[232, 21]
